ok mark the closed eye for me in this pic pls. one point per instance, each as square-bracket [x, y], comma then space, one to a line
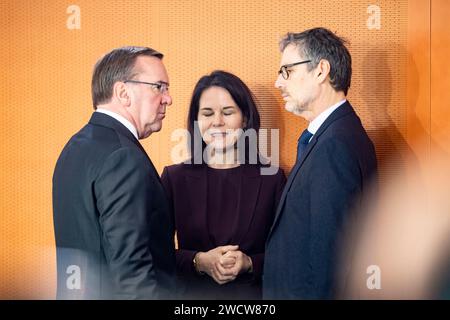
[229, 110]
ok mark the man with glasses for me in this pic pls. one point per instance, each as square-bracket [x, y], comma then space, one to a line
[113, 227]
[335, 164]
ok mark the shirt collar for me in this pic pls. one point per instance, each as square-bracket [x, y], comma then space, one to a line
[320, 119]
[121, 119]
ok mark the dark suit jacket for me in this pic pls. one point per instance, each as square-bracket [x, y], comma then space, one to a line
[187, 189]
[322, 189]
[113, 225]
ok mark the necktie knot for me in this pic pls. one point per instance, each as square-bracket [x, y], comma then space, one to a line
[303, 142]
[305, 137]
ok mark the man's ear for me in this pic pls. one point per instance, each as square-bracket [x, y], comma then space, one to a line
[322, 70]
[121, 93]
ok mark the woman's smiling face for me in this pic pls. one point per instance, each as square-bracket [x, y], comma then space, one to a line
[219, 118]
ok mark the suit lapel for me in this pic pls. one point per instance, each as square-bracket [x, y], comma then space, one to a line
[341, 111]
[291, 178]
[104, 120]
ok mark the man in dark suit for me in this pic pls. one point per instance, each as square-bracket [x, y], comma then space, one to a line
[113, 227]
[335, 165]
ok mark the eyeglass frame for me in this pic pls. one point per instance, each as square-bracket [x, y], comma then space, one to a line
[284, 67]
[161, 86]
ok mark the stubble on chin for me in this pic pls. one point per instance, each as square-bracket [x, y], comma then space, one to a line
[293, 108]
[290, 107]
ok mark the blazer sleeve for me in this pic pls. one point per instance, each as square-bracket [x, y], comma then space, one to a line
[281, 182]
[165, 180]
[258, 259]
[124, 189]
[335, 180]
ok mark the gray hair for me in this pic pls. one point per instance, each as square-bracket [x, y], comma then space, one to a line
[320, 43]
[116, 65]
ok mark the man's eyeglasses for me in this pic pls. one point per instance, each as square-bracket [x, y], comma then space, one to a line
[161, 87]
[284, 69]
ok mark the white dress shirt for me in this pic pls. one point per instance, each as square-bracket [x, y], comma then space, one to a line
[320, 119]
[121, 119]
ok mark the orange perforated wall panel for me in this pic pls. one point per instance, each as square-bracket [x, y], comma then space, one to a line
[45, 89]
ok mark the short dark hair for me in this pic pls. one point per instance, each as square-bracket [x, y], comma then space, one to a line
[114, 66]
[320, 43]
[240, 93]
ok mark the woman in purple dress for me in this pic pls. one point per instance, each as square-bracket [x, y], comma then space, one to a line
[223, 202]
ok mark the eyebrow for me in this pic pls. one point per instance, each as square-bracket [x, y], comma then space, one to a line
[153, 81]
[209, 108]
[163, 82]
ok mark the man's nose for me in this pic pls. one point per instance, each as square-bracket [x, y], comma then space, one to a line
[167, 99]
[279, 83]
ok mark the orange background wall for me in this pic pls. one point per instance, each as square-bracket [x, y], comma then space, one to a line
[400, 89]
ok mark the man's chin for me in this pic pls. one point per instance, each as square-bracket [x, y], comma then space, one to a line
[292, 107]
[289, 107]
[298, 113]
[154, 128]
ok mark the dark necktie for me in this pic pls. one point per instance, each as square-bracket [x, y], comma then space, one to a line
[303, 142]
